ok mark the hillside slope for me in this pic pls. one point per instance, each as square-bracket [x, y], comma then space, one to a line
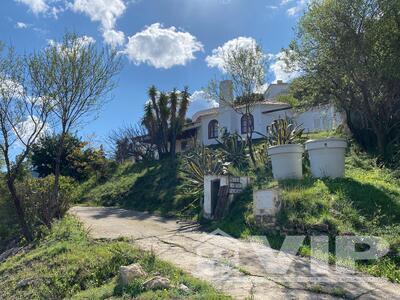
[147, 186]
[365, 202]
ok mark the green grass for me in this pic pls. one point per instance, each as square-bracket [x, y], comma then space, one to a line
[365, 202]
[68, 264]
[151, 186]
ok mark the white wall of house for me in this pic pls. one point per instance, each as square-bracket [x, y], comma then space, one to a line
[319, 119]
[203, 132]
[313, 120]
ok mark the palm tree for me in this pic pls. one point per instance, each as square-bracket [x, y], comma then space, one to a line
[164, 118]
[173, 99]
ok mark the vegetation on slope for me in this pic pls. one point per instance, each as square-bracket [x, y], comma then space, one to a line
[8, 226]
[154, 186]
[68, 264]
[365, 202]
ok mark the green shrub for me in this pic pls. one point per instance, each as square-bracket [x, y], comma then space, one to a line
[8, 219]
[36, 194]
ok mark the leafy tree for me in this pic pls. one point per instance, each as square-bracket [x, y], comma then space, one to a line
[96, 163]
[77, 161]
[245, 68]
[23, 115]
[78, 77]
[164, 118]
[349, 53]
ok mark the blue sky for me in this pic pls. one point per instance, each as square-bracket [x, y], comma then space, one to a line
[165, 42]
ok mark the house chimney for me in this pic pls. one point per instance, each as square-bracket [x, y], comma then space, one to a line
[279, 81]
[226, 92]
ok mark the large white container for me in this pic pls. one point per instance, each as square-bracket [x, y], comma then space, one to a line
[287, 161]
[327, 157]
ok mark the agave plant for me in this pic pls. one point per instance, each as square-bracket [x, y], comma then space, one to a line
[197, 163]
[233, 149]
[283, 131]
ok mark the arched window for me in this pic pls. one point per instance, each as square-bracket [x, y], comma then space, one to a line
[213, 129]
[247, 123]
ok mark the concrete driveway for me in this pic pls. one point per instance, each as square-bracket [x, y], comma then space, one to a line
[242, 269]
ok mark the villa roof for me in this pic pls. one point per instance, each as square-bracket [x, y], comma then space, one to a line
[214, 111]
[276, 89]
[273, 90]
[204, 112]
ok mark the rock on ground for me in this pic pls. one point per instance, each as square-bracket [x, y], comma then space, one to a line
[183, 288]
[157, 283]
[129, 273]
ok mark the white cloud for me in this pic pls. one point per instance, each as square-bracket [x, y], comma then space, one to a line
[200, 96]
[293, 10]
[82, 41]
[106, 12]
[36, 6]
[10, 88]
[45, 7]
[21, 25]
[86, 40]
[278, 68]
[162, 47]
[296, 8]
[218, 56]
[285, 2]
[114, 38]
[30, 128]
[262, 89]
[199, 101]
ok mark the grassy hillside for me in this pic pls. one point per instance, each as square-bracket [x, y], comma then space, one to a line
[151, 186]
[68, 264]
[365, 202]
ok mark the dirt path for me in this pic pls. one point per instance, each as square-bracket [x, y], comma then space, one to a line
[238, 268]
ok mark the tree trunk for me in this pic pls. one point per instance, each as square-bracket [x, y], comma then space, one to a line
[57, 173]
[381, 143]
[173, 145]
[376, 124]
[174, 133]
[251, 149]
[19, 209]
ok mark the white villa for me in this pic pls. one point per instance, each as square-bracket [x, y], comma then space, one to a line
[206, 124]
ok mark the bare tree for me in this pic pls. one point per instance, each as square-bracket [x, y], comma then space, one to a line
[245, 68]
[78, 77]
[23, 116]
[131, 142]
